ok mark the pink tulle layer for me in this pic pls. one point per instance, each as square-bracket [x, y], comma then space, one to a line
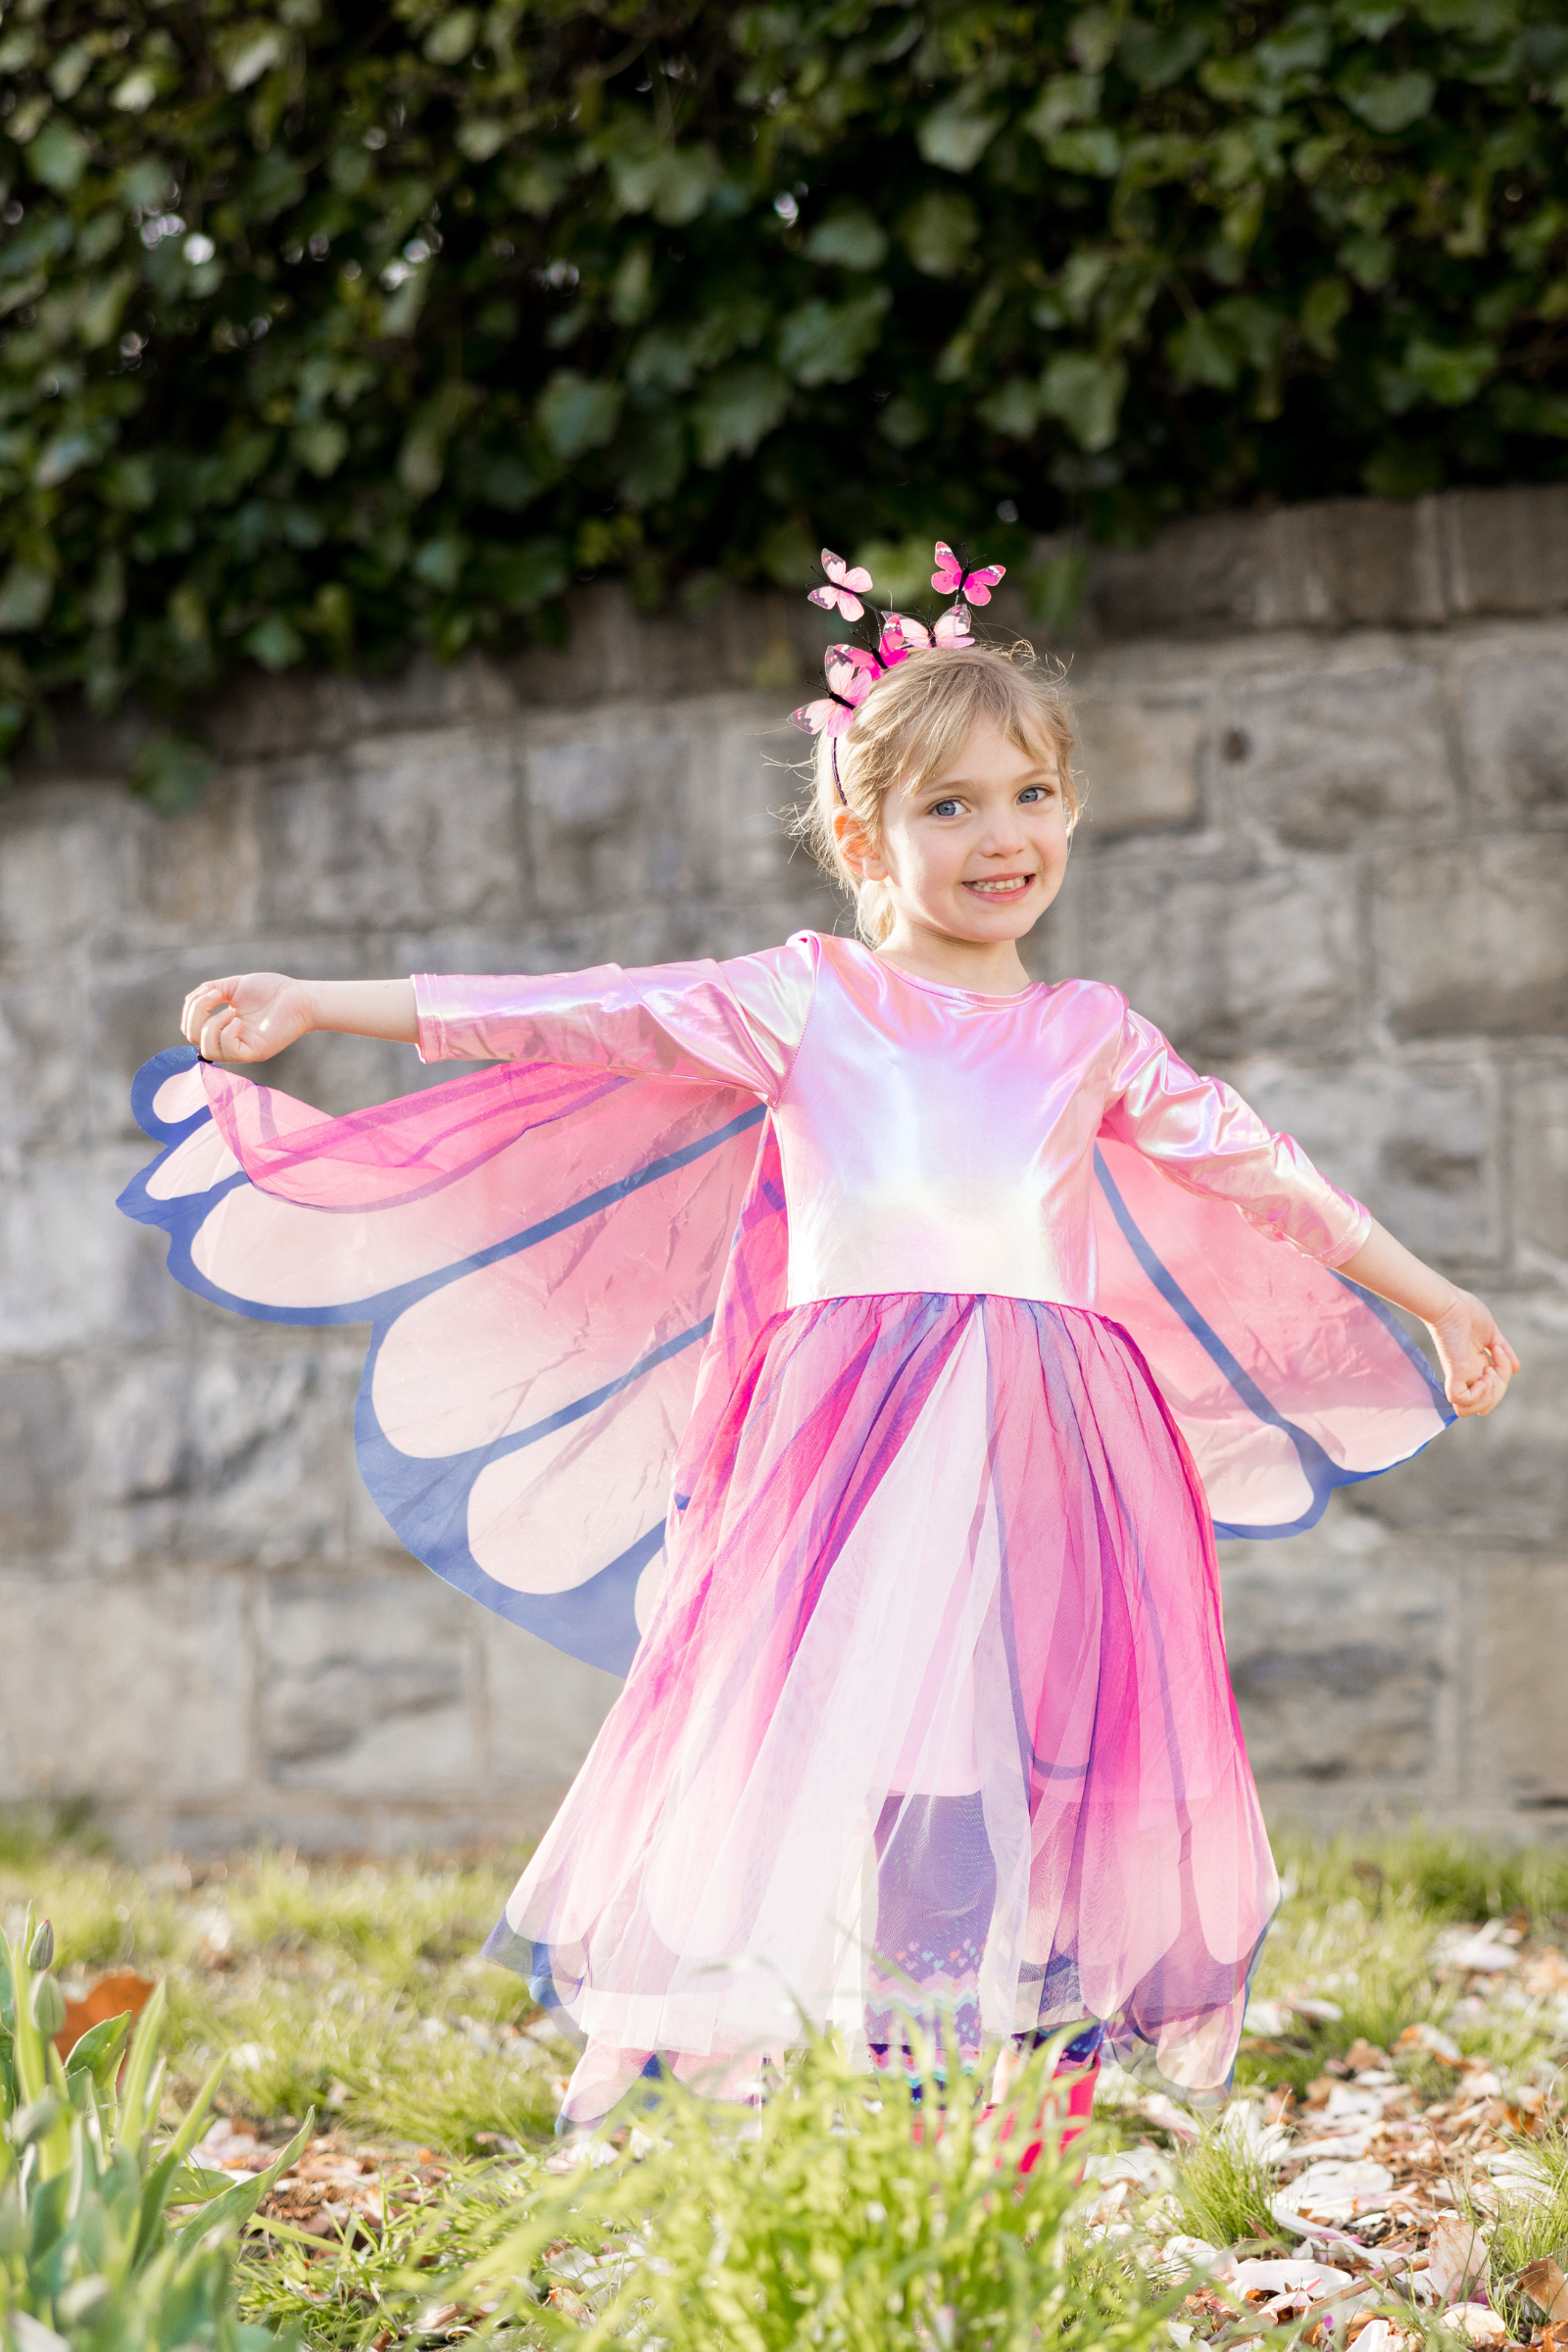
[932, 1718]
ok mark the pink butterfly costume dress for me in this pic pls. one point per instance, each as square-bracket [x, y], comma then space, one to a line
[893, 1351]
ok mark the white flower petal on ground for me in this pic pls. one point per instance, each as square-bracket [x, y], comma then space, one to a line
[1476, 2324]
[1333, 2190]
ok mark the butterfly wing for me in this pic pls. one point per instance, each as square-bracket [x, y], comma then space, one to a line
[837, 599]
[947, 577]
[977, 585]
[851, 671]
[953, 627]
[1286, 1380]
[538, 1252]
[815, 719]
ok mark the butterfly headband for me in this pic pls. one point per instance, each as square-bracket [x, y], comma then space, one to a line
[852, 670]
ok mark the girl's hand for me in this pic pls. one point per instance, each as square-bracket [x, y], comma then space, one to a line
[1478, 1362]
[247, 1019]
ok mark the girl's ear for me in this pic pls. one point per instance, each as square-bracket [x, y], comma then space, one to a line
[858, 850]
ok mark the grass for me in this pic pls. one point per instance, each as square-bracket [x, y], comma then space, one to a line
[1530, 2220]
[1224, 2184]
[356, 1990]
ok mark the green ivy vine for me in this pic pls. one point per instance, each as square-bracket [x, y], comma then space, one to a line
[326, 330]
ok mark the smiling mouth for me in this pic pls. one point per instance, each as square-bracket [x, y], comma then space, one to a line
[1005, 886]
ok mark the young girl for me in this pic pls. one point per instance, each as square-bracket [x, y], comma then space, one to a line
[929, 1716]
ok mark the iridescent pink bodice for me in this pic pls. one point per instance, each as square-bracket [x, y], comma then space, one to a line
[931, 1139]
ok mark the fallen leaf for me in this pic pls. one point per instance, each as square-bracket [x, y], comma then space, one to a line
[113, 1995]
[1544, 2282]
[1477, 2325]
[1456, 2258]
[1427, 2037]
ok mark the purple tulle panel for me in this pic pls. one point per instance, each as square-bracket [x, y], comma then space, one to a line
[932, 1718]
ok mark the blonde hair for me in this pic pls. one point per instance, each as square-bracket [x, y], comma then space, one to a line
[914, 722]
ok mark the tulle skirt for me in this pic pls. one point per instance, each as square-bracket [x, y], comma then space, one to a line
[931, 1723]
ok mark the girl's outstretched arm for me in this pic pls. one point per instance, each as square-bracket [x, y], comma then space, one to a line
[1478, 1362]
[253, 1015]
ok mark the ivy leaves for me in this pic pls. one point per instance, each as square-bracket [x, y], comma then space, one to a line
[322, 336]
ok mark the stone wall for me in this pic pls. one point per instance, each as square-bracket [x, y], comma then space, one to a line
[1328, 795]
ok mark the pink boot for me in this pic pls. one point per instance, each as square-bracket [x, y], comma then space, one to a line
[1080, 2107]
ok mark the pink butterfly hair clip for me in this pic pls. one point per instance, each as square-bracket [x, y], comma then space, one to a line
[853, 670]
[951, 579]
[948, 631]
[845, 588]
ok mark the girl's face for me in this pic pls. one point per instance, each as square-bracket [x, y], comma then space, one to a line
[979, 853]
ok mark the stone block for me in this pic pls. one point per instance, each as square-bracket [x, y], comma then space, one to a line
[1137, 762]
[1519, 1724]
[1539, 1153]
[1346, 563]
[544, 1709]
[1334, 564]
[614, 655]
[196, 872]
[1420, 1146]
[74, 1272]
[1206, 572]
[309, 712]
[1151, 926]
[1472, 937]
[398, 829]
[606, 819]
[233, 1454]
[1506, 551]
[371, 1688]
[43, 1089]
[63, 868]
[40, 1456]
[1341, 1675]
[1331, 757]
[123, 1691]
[750, 771]
[1294, 962]
[1226, 961]
[1511, 715]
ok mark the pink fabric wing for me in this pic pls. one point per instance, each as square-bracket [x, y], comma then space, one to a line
[1285, 1379]
[539, 1252]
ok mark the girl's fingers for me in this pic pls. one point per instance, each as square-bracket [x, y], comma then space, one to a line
[199, 1007]
[1480, 1395]
[213, 1032]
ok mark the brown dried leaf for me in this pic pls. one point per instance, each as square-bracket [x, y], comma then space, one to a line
[1544, 2282]
[111, 1996]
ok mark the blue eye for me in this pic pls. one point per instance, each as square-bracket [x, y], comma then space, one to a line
[946, 809]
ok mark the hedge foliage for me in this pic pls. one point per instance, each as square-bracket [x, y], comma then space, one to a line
[331, 327]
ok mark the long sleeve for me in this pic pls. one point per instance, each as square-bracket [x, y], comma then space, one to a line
[738, 1023]
[1202, 1136]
